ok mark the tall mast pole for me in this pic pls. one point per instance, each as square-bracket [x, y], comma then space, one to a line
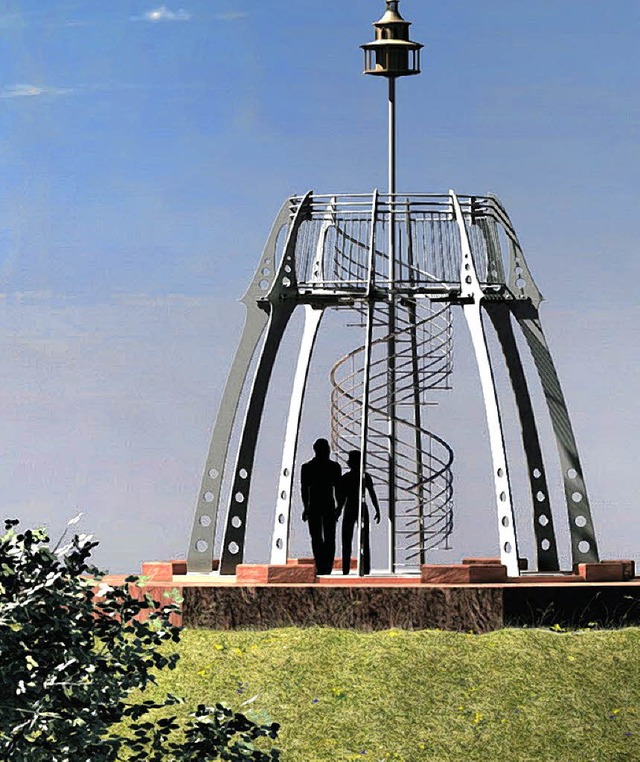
[392, 54]
[391, 343]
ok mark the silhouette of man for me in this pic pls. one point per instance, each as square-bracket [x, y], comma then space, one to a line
[348, 497]
[319, 482]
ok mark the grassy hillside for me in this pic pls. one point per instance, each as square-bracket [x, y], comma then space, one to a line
[342, 695]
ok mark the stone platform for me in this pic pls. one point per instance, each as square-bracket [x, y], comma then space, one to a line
[474, 596]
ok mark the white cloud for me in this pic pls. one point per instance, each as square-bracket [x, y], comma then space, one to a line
[31, 91]
[162, 13]
[231, 16]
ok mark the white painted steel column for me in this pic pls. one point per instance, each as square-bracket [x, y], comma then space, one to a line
[282, 522]
[366, 374]
[471, 293]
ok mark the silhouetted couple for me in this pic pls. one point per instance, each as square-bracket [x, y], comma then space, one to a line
[326, 492]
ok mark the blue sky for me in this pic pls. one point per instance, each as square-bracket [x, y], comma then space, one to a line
[144, 151]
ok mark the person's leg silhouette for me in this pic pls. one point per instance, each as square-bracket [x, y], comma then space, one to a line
[366, 550]
[317, 541]
[348, 525]
[329, 537]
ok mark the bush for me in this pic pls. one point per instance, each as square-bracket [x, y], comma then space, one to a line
[69, 662]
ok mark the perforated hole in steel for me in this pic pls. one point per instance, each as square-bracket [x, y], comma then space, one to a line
[286, 282]
[236, 522]
[233, 548]
[545, 545]
[264, 284]
[580, 521]
[583, 546]
[507, 547]
[543, 520]
[214, 473]
[576, 497]
[572, 473]
[279, 543]
[243, 473]
[500, 473]
[285, 472]
[266, 271]
[283, 494]
[503, 496]
[281, 518]
[205, 521]
[521, 283]
[540, 496]
[201, 546]
[239, 497]
[208, 497]
[537, 473]
[505, 521]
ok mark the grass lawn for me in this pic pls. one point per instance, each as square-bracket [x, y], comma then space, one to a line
[427, 695]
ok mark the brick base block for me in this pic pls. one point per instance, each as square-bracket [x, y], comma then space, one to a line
[607, 571]
[523, 563]
[264, 574]
[163, 571]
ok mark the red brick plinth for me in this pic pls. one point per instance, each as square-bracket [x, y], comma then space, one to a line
[523, 563]
[158, 571]
[262, 574]
[462, 574]
[164, 571]
[607, 571]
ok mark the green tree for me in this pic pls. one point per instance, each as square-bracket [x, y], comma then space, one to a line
[70, 659]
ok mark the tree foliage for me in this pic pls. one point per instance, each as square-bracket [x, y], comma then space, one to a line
[70, 659]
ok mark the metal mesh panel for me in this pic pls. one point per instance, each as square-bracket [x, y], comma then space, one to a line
[427, 242]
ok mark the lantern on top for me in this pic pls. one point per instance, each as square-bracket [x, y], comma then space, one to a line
[392, 54]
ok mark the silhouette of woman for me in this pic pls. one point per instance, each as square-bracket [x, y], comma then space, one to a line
[348, 497]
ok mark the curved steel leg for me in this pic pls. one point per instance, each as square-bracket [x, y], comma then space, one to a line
[546, 546]
[472, 295]
[200, 553]
[506, 523]
[281, 302]
[280, 537]
[233, 543]
[584, 548]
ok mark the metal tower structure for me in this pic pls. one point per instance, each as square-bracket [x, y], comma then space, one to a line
[399, 262]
